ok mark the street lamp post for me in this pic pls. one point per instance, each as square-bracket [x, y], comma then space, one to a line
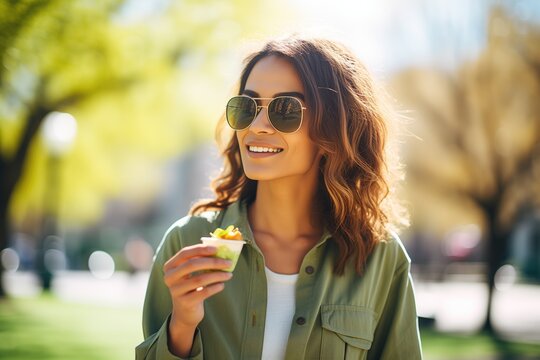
[59, 131]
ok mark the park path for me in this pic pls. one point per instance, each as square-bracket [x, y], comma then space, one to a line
[456, 306]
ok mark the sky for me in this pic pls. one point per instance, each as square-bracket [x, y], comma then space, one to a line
[387, 34]
[391, 34]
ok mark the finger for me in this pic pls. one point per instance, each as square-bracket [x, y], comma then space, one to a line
[190, 252]
[204, 263]
[199, 282]
[185, 285]
[197, 296]
[187, 253]
[200, 263]
[196, 264]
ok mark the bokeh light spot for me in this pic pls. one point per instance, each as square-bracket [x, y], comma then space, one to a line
[55, 260]
[505, 277]
[9, 259]
[101, 264]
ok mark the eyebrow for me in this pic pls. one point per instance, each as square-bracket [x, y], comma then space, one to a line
[255, 94]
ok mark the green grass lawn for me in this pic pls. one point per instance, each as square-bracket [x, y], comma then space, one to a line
[48, 328]
[437, 346]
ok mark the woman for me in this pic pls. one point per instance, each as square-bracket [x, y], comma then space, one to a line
[306, 180]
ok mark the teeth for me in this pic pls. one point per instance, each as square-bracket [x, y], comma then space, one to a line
[260, 149]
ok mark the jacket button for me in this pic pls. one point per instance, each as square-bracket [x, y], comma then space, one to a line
[310, 269]
[300, 320]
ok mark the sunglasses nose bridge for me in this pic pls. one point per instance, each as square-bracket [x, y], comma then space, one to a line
[259, 109]
[261, 122]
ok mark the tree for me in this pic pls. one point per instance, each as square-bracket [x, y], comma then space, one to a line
[130, 79]
[481, 129]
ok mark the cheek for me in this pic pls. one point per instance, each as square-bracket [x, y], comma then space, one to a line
[240, 135]
[303, 143]
[304, 151]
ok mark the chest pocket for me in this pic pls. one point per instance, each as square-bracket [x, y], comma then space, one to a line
[347, 331]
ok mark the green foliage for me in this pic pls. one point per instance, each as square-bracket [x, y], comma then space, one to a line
[142, 88]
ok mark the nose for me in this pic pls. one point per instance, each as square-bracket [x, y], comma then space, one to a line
[261, 124]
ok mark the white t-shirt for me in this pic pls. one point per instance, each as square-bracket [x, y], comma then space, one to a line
[279, 313]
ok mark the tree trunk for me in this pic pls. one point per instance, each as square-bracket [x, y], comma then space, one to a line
[4, 234]
[12, 170]
[496, 252]
[5, 196]
[491, 270]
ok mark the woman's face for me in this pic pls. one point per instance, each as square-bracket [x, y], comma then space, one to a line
[270, 77]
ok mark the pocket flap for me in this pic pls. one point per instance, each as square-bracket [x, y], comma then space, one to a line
[353, 324]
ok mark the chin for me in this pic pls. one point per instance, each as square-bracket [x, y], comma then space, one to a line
[259, 176]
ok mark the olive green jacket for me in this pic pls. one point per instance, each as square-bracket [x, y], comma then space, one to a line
[372, 316]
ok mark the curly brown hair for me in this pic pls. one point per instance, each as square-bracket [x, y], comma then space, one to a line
[350, 127]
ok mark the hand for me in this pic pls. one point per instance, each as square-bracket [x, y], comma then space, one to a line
[189, 290]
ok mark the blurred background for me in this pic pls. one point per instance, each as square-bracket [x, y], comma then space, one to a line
[107, 116]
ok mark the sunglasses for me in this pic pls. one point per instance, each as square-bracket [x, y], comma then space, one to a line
[284, 112]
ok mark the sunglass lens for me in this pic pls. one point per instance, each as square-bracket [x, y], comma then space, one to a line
[240, 112]
[285, 113]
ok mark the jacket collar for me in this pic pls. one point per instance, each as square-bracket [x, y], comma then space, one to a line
[236, 214]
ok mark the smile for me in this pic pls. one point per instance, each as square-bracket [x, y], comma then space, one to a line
[260, 149]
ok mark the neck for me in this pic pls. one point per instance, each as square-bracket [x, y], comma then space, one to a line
[285, 208]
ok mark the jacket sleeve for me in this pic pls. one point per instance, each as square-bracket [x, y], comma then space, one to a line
[397, 335]
[158, 306]
[156, 347]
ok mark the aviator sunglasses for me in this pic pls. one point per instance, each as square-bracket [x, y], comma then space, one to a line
[284, 112]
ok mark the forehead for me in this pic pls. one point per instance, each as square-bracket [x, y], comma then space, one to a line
[272, 75]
